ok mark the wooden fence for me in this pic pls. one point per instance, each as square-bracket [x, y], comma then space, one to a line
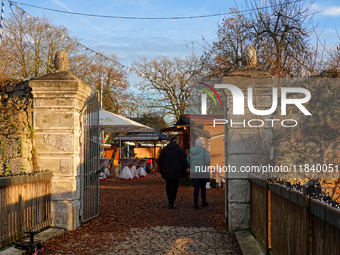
[288, 222]
[25, 205]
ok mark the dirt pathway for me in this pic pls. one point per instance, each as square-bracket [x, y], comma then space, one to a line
[132, 212]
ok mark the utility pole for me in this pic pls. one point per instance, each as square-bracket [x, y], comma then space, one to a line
[226, 156]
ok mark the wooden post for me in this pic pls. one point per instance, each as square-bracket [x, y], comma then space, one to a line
[266, 237]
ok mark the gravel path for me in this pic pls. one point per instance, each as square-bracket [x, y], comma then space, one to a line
[134, 219]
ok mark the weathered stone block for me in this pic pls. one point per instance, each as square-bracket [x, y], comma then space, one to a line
[238, 191]
[63, 188]
[65, 214]
[53, 102]
[238, 216]
[59, 166]
[54, 143]
[11, 148]
[15, 165]
[53, 119]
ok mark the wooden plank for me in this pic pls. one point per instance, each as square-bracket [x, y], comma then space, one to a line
[26, 205]
[331, 244]
[9, 206]
[39, 202]
[21, 213]
[2, 212]
[273, 219]
[38, 198]
[15, 209]
[12, 210]
[326, 238]
[42, 201]
[285, 225]
[49, 198]
[265, 219]
[269, 220]
[34, 206]
[29, 203]
[257, 215]
[314, 240]
[45, 201]
[43, 206]
[303, 231]
[298, 223]
[278, 224]
[320, 235]
[291, 216]
[251, 209]
[336, 241]
[274, 222]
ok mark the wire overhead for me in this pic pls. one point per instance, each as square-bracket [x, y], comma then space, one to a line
[127, 68]
[152, 18]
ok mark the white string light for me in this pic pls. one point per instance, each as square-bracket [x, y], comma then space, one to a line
[112, 60]
[147, 18]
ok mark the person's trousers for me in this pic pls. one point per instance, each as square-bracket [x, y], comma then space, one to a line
[171, 189]
[199, 184]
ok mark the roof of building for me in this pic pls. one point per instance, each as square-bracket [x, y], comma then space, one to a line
[155, 136]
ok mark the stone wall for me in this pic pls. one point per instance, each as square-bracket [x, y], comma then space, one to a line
[316, 138]
[16, 132]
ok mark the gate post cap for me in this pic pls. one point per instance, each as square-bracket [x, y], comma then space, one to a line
[249, 57]
[61, 60]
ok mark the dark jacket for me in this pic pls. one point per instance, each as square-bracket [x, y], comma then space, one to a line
[172, 162]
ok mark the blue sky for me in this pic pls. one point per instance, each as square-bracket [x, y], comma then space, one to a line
[131, 39]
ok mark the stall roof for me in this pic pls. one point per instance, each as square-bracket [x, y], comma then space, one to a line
[197, 131]
[150, 136]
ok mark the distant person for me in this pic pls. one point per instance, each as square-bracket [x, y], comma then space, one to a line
[199, 161]
[172, 166]
[148, 166]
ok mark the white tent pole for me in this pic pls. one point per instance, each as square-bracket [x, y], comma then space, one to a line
[102, 145]
[101, 92]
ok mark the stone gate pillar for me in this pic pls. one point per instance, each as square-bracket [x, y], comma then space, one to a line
[247, 145]
[58, 98]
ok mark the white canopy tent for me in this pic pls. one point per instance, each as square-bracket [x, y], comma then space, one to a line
[113, 123]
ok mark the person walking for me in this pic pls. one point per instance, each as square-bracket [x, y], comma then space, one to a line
[199, 161]
[172, 166]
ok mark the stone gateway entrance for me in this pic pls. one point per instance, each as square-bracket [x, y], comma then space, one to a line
[58, 99]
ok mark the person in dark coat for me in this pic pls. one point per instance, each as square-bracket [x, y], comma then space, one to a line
[172, 165]
[199, 161]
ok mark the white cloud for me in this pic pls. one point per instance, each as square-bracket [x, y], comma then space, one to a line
[332, 11]
[327, 11]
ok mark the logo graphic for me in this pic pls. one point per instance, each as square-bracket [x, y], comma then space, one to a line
[238, 99]
[204, 97]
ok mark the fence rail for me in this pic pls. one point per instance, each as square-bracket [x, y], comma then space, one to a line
[288, 222]
[25, 204]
